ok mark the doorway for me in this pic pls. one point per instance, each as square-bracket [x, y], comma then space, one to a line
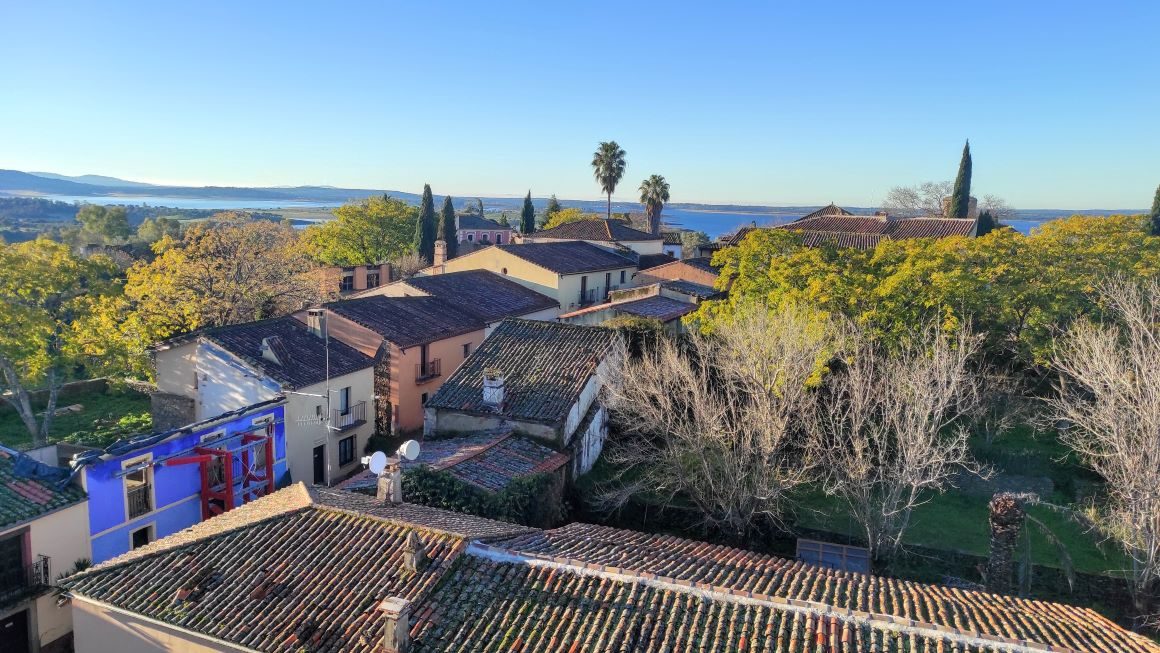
[320, 465]
[14, 633]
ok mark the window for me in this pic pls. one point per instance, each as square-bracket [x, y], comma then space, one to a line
[504, 270]
[347, 284]
[423, 399]
[344, 401]
[470, 237]
[466, 349]
[138, 489]
[141, 537]
[499, 239]
[372, 279]
[346, 451]
[622, 276]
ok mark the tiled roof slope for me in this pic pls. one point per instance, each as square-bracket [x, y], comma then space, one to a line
[737, 570]
[302, 355]
[491, 605]
[408, 321]
[671, 237]
[489, 296]
[487, 460]
[545, 366]
[569, 256]
[472, 221]
[832, 209]
[298, 570]
[697, 290]
[656, 307]
[646, 261]
[603, 230]
[24, 498]
[866, 231]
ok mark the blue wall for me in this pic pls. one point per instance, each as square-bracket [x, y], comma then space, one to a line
[176, 488]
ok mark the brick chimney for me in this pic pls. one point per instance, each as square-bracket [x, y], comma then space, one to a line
[396, 625]
[440, 253]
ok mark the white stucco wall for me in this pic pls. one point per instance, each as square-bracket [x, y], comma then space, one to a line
[175, 369]
[103, 630]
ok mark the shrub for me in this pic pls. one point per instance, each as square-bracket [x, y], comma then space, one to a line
[536, 500]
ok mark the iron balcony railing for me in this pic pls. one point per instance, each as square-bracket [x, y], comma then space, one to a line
[354, 416]
[140, 501]
[23, 581]
[428, 370]
[588, 296]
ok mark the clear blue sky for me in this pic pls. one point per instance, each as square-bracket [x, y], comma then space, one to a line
[754, 102]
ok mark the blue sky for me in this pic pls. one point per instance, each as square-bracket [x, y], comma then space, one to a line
[758, 102]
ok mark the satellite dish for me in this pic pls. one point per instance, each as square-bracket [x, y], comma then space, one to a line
[378, 462]
[409, 450]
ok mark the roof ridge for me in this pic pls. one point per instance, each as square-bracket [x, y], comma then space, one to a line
[501, 554]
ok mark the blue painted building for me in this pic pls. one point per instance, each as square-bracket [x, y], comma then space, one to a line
[152, 486]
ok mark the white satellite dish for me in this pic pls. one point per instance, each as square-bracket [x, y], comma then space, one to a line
[378, 462]
[409, 450]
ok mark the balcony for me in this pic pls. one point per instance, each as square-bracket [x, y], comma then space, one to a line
[429, 370]
[18, 583]
[139, 500]
[354, 417]
[588, 297]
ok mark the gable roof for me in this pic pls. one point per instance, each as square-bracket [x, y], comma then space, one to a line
[832, 209]
[545, 366]
[29, 489]
[408, 321]
[657, 307]
[487, 295]
[296, 570]
[302, 356]
[473, 221]
[833, 225]
[604, 230]
[569, 256]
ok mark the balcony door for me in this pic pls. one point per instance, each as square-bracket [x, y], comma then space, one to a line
[14, 633]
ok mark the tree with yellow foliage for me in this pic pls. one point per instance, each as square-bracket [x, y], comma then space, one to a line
[570, 214]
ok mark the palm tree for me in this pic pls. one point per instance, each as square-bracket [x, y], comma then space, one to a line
[654, 192]
[608, 167]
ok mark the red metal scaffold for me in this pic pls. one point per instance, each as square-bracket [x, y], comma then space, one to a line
[221, 485]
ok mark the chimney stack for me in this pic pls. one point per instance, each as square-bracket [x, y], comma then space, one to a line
[396, 625]
[493, 393]
[390, 486]
[316, 321]
[415, 554]
[440, 252]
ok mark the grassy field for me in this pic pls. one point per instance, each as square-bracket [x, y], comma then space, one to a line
[105, 417]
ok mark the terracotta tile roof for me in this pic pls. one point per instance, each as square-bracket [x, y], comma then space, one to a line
[671, 237]
[474, 222]
[487, 295]
[487, 460]
[569, 256]
[29, 489]
[545, 365]
[737, 570]
[657, 307]
[835, 226]
[832, 209]
[646, 261]
[697, 290]
[408, 321]
[301, 355]
[604, 230]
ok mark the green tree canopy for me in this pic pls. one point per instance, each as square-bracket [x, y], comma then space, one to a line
[107, 224]
[528, 215]
[371, 231]
[691, 240]
[961, 195]
[426, 228]
[44, 291]
[552, 208]
[154, 229]
[447, 228]
[1155, 214]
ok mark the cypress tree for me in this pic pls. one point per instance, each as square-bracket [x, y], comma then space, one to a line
[425, 228]
[1156, 213]
[961, 196]
[528, 216]
[553, 207]
[447, 233]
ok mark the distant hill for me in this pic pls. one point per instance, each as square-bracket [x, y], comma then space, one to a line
[14, 180]
[95, 180]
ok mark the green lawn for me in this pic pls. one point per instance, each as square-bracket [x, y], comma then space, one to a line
[106, 417]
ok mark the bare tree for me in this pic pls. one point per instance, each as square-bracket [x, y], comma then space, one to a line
[726, 422]
[925, 199]
[893, 435]
[998, 208]
[1110, 399]
[998, 407]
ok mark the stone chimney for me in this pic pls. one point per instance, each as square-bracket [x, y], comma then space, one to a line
[316, 321]
[396, 625]
[414, 554]
[440, 253]
[493, 388]
[390, 486]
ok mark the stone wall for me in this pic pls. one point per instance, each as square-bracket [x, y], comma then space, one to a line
[171, 411]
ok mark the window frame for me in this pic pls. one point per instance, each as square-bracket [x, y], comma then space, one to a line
[343, 445]
[150, 528]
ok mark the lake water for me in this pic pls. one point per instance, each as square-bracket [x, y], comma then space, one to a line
[714, 223]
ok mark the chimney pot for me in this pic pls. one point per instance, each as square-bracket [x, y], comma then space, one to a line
[440, 252]
[396, 625]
